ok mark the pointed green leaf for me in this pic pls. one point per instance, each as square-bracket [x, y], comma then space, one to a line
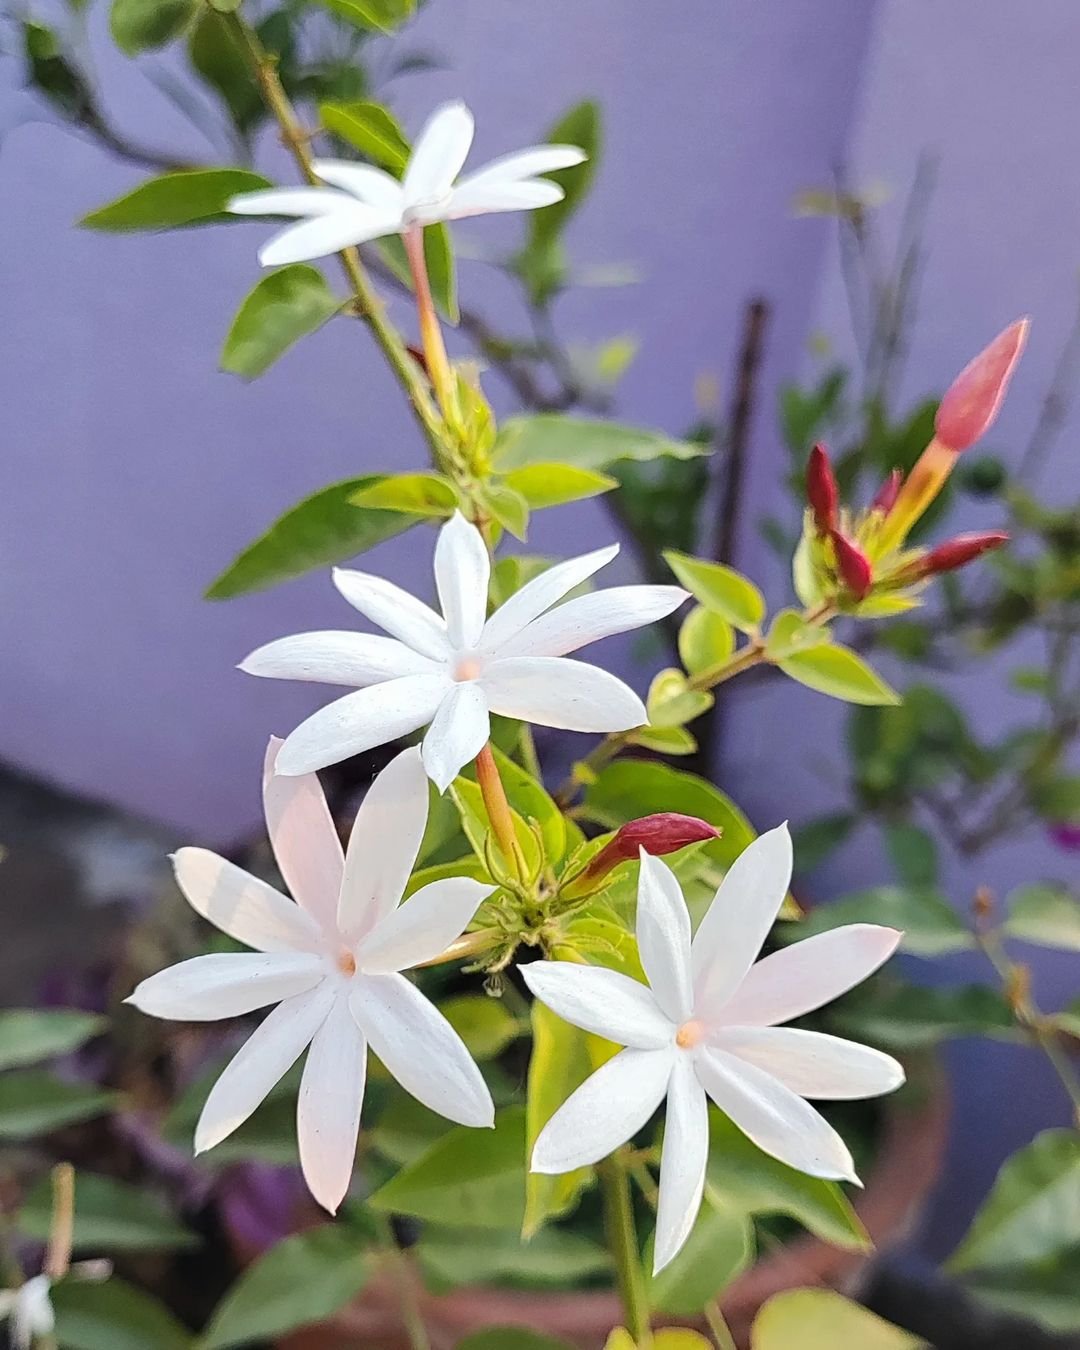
[508, 507]
[29, 1035]
[840, 673]
[790, 633]
[907, 1017]
[282, 308]
[380, 16]
[452, 1257]
[33, 1102]
[930, 925]
[421, 494]
[672, 702]
[545, 438]
[109, 1216]
[138, 25]
[721, 589]
[545, 485]
[172, 200]
[114, 1316]
[579, 126]
[913, 854]
[720, 1246]
[221, 61]
[371, 129]
[1048, 916]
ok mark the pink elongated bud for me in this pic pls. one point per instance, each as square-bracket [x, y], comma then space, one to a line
[821, 490]
[887, 493]
[972, 401]
[658, 834]
[853, 565]
[958, 552]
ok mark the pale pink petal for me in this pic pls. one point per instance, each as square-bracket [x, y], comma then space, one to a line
[462, 573]
[588, 618]
[297, 201]
[527, 163]
[383, 845]
[360, 721]
[420, 1048]
[438, 154]
[457, 734]
[304, 839]
[663, 938]
[774, 1117]
[225, 984]
[396, 611]
[484, 199]
[554, 691]
[606, 1110]
[422, 927]
[325, 234]
[265, 1057]
[797, 979]
[813, 1064]
[682, 1162]
[368, 184]
[602, 1001]
[737, 922]
[355, 659]
[241, 905]
[540, 594]
[328, 1108]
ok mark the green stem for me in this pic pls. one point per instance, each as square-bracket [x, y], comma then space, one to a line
[412, 1321]
[721, 1332]
[622, 1241]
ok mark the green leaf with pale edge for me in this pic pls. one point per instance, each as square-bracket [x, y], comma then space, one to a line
[508, 507]
[545, 485]
[469, 1177]
[139, 25]
[1045, 1292]
[172, 200]
[420, 494]
[323, 529]
[671, 701]
[720, 1246]
[452, 1257]
[1033, 1210]
[109, 1216]
[381, 16]
[820, 1319]
[559, 1064]
[510, 1338]
[485, 1024]
[579, 126]
[743, 1179]
[837, 671]
[913, 854]
[721, 589]
[29, 1035]
[911, 1018]
[282, 308]
[114, 1316]
[33, 1102]
[706, 639]
[546, 438]
[439, 259]
[301, 1280]
[369, 128]
[1048, 916]
[790, 633]
[930, 925]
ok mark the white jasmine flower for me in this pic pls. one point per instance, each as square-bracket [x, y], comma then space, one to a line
[453, 671]
[706, 1026]
[29, 1308]
[364, 203]
[331, 962]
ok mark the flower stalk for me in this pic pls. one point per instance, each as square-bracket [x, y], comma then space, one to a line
[498, 809]
[623, 1244]
[439, 369]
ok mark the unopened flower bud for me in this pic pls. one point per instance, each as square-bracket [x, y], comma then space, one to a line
[887, 493]
[658, 834]
[957, 552]
[821, 490]
[853, 565]
[972, 401]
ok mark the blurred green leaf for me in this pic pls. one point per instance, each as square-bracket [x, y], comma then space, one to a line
[720, 1247]
[29, 1035]
[821, 1319]
[672, 702]
[382, 16]
[138, 25]
[814, 840]
[544, 485]
[1046, 915]
[789, 633]
[405, 1129]
[706, 639]
[579, 126]
[172, 200]
[485, 1024]
[371, 129]
[543, 438]
[840, 673]
[510, 1338]
[109, 1216]
[721, 589]
[53, 75]
[558, 1065]
[907, 1017]
[1059, 799]
[323, 529]
[930, 925]
[33, 1102]
[282, 308]
[451, 1257]
[421, 494]
[114, 1316]
[913, 854]
[221, 61]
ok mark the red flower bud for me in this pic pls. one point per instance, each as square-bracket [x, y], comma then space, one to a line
[853, 565]
[959, 552]
[887, 493]
[972, 401]
[662, 833]
[821, 490]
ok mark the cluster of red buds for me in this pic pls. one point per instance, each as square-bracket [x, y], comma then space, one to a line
[848, 557]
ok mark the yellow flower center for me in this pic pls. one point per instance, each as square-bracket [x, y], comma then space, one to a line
[689, 1035]
[346, 963]
[466, 667]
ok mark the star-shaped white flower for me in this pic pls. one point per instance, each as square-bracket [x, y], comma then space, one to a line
[453, 672]
[706, 1026]
[364, 203]
[30, 1311]
[331, 962]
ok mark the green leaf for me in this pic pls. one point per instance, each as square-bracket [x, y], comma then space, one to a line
[913, 853]
[439, 259]
[485, 1024]
[508, 507]
[664, 740]
[1044, 1291]
[323, 529]
[545, 485]
[510, 1338]
[814, 840]
[419, 494]
[1059, 799]
[720, 1246]
[114, 1316]
[138, 25]
[405, 1129]
[269, 1135]
[383, 16]
[837, 671]
[579, 126]
[220, 60]
[820, 1319]
[744, 1180]
[451, 1257]
[559, 1064]
[544, 438]
[1033, 1210]
[907, 1017]
[301, 1280]
[790, 633]
[1048, 916]
[188, 197]
[721, 589]
[109, 1216]
[283, 307]
[371, 129]
[706, 639]
[29, 1035]
[468, 799]
[930, 925]
[32, 1102]
[672, 702]
[469, 1177]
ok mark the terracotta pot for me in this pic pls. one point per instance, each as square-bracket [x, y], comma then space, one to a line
[897, 1187]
